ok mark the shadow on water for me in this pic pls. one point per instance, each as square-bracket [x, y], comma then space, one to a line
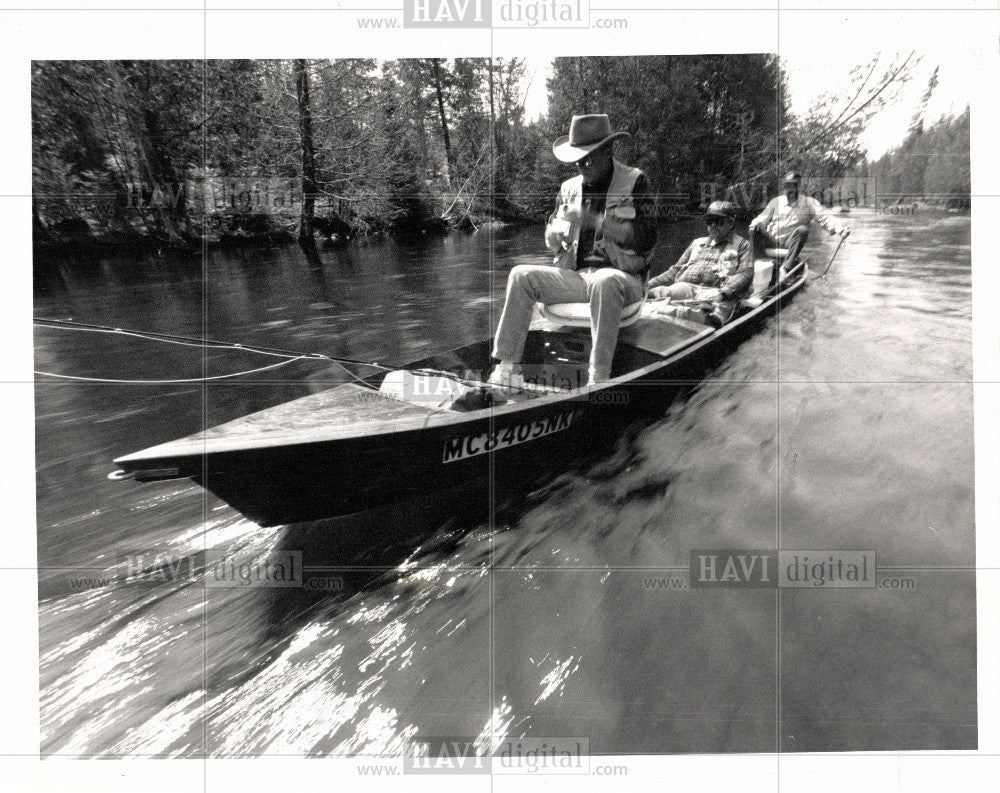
[348, 557]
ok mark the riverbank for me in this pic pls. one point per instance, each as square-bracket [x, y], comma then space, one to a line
[83, 236]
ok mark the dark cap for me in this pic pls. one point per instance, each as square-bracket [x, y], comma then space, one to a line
[792, 177]
[721, 209]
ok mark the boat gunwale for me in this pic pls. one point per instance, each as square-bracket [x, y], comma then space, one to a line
[440, 418]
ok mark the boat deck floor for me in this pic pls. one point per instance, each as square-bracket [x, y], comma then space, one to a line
[339, 410]
[555, 358]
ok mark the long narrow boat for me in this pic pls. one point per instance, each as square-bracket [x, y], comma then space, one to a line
[354, 446]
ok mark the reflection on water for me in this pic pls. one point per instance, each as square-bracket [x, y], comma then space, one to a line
[845, 424]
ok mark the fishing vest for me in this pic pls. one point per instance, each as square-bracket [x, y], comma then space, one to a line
[619, 195]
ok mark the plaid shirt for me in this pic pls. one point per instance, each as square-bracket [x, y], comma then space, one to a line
[727, 266]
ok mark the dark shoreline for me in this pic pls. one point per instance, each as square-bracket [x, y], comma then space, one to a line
[122, 243]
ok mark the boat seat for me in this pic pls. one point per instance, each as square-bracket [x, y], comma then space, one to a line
[762, 271]
[578, 314]
[776, 253]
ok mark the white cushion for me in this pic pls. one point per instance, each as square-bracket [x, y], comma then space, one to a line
[762, 269]
[579, 313]
[776, 253]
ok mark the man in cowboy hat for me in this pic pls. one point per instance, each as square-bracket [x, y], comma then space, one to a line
[600, 235]
[785, 221]
[715, 271]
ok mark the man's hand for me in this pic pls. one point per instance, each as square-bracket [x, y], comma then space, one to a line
[753, 227]
[559, 231]
[845, 233]
[678, 291]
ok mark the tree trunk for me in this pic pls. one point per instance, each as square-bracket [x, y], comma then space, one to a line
[499, 186]
[167, 198]
[448, 163]
[171, 209]
[308, 152]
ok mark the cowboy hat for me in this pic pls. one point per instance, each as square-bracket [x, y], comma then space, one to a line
[586, 133]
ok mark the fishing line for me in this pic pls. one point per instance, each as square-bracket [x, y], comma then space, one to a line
[166, 340]
[167, 382]
[189, 341]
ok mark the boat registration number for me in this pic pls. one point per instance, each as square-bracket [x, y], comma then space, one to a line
[463, 446]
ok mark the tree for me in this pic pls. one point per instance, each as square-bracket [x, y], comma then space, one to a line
[308, 151]
[933, 165]
[917, 123]
[438, 83]
[826, 141]
[690, 118]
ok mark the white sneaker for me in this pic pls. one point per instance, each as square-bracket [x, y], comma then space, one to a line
[505, 377]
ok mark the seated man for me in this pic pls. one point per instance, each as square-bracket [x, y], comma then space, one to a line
[717, 269]
[601, 234]
[785, 221]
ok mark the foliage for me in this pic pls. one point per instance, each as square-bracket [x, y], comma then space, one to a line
[145, 149]
[932, 163]
[691, 118]
[826, 141]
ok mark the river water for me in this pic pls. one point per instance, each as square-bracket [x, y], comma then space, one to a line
[845, 424]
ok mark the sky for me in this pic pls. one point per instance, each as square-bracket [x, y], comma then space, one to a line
[810, 72]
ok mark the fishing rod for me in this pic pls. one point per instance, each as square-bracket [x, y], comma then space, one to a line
[197, 342]
[835, 252]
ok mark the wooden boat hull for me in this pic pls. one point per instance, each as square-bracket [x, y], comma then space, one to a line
[296, 474]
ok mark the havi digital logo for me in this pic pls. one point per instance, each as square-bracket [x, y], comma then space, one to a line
[446, 13]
